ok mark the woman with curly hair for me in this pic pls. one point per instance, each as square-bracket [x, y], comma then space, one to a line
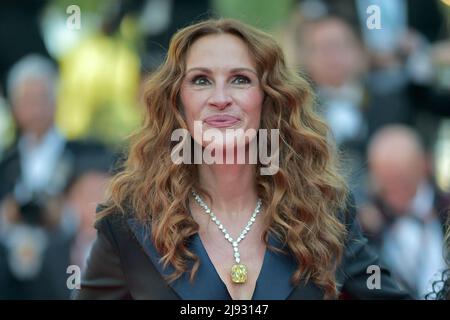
[212, 230]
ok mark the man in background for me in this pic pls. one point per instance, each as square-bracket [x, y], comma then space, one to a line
[404, 220]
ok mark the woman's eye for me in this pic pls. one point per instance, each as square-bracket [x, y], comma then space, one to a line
[200, 80]
[241, 80]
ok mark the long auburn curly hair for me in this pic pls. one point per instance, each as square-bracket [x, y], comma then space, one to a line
[302, 199]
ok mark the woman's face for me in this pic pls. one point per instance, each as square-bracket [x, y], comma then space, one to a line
[221, 88]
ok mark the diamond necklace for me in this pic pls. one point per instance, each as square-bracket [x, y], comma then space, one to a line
[238, 270]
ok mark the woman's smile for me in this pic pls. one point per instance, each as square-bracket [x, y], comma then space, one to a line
[221, 121]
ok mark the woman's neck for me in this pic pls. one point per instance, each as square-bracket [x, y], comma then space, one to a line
[232, 188]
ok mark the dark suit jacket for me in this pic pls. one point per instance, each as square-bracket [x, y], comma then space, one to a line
[124, 264]
[76, 157]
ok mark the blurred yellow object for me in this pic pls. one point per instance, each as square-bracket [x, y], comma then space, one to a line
[442, 156]
[98, 94]
[7, 126]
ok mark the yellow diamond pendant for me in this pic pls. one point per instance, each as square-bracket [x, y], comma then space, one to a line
[239, 273]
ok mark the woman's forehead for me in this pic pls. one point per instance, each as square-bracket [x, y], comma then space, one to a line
[223, 51]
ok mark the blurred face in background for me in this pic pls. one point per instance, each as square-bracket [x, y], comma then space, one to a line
[221, 88]
[332, 54]
[33, 106]
[85, 194]
[398, 168]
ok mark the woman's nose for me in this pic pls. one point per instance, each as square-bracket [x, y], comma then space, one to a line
[220, 98]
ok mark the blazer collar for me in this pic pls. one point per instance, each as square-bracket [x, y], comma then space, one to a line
[273, 282]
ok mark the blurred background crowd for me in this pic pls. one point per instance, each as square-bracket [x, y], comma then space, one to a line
[71, 90]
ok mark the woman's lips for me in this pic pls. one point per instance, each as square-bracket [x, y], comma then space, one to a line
[221, 121]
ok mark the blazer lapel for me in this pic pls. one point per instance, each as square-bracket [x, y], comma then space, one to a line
[207, 284]
[273, 281]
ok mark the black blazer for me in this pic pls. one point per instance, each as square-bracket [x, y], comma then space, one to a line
[77, 156]
[124, 264]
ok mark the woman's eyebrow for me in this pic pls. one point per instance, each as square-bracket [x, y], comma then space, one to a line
[233, 70]
[206, 70]
[243, 69]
